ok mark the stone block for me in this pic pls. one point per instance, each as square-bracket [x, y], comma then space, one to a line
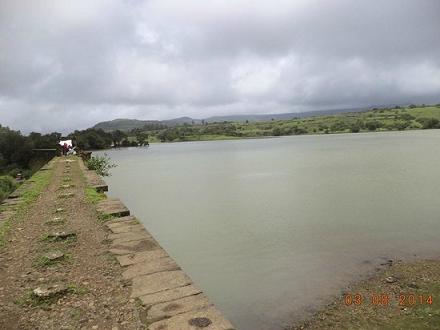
[156, 282]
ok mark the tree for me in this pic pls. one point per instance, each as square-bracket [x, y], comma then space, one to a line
[90, 139]
[15, 150]
[142, 138]
[169, 135]
[117, 137]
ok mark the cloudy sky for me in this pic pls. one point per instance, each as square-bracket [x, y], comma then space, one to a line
[69, 64]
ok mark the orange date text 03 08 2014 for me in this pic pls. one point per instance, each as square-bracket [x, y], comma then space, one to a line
[383, 299]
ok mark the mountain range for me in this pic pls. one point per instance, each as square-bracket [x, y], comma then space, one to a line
[125, 124]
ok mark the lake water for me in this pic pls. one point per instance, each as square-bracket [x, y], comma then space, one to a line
[271, 228]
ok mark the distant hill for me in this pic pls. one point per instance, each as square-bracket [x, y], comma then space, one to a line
[281, 116]
[122, 124]
[129, 124]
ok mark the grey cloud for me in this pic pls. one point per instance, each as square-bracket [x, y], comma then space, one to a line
[66, 65]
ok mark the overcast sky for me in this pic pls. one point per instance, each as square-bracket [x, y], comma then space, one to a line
[67, 65]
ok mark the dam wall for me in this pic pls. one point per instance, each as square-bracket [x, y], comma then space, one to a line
[171, 300]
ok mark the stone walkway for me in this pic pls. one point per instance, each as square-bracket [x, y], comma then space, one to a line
[55, 268]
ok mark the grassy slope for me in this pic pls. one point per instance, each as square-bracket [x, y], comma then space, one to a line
[38, 182]
[314, 125]
[388, 119]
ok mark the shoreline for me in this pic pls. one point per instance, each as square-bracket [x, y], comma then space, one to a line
[403, 294]
[269, 137]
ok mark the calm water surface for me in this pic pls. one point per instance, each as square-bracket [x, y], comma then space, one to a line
[271, 228]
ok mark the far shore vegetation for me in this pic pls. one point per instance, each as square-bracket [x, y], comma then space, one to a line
[397, 118]
[26, 154]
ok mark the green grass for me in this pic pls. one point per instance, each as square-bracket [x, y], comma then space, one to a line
[93, 196]
[29, 299]
[43, 261]
[386, 119]
[77, 289]
[105, 217]
[67, 240]
[39, 180]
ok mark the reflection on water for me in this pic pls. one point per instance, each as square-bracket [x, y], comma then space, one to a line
[269, 228]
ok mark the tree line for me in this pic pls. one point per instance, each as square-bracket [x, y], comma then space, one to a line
[26, 154]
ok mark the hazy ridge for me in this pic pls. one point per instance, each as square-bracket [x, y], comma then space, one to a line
[125, 124]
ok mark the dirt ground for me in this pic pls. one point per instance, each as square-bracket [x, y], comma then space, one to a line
[404, 296]
[93, 294]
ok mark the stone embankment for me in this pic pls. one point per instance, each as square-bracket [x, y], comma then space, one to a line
[171, 299]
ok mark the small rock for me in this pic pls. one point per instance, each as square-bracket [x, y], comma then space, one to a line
[66, 195]
[413, 285]
[391, 279]
[62, 234]
[95, 327]
[200, 322]
[389, 262]
[51, 290]
[55, 221]
[54, 255]
[60, 209]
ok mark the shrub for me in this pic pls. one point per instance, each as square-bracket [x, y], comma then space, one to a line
[372, 125]
[429, 122]
[100, 164]
[402, 125]
[276, 131]
[355, 128]
[7, 185]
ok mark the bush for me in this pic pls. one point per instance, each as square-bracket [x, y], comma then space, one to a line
[276, 131]
[372, 125]
[100, 164]
[429, 123]
[7, 185]
[402, 125]
[406, 116]
[355, 128]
